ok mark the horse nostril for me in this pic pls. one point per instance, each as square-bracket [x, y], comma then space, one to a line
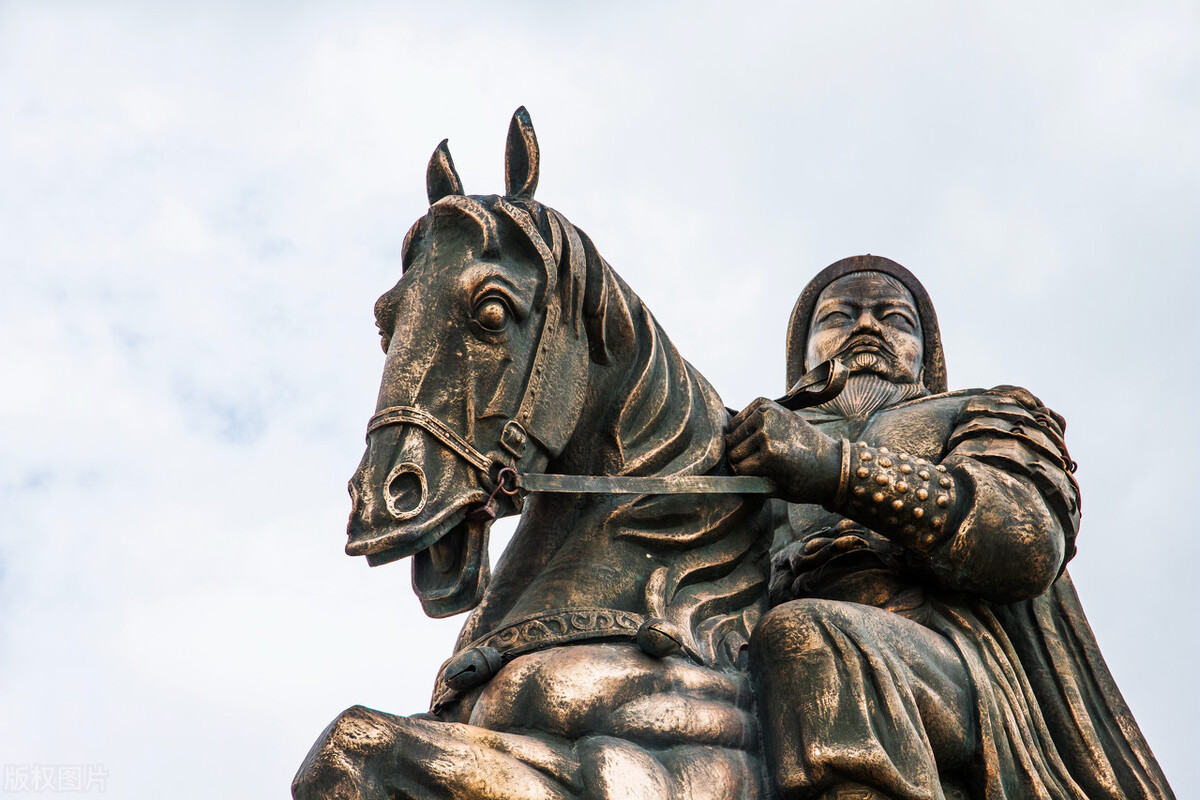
[406, 491]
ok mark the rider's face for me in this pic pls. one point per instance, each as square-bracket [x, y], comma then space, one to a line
[869, 320]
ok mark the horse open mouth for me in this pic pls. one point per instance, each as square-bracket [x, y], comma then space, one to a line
[450, 559]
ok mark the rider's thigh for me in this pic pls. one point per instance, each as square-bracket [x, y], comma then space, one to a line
[797, 640]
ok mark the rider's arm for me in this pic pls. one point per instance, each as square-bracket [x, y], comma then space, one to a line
[997, 516]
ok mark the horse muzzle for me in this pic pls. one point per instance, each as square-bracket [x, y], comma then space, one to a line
[412, 497]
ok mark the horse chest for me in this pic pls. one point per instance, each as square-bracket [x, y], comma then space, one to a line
[617, 690]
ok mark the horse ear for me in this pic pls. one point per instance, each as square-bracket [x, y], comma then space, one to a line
[521, 157]
[441, 179]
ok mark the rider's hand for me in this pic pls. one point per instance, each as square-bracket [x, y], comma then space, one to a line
[769, 441]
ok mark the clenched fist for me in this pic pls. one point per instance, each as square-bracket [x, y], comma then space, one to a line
[769, 441]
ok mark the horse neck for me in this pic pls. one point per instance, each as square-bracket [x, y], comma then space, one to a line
[648, 412]
[696, 560]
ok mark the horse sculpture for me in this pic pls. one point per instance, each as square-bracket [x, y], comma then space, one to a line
[606, 655]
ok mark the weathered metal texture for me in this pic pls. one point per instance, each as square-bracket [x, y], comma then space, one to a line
[925, 640]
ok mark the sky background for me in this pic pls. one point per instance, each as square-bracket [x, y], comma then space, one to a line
[199, 206]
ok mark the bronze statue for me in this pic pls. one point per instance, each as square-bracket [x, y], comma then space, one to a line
[605, 657]
[925, 641]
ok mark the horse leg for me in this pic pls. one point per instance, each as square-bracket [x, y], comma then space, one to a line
[617, 769]
[369, 755]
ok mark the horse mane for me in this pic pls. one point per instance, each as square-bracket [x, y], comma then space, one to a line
[663, 418]
[670, 421]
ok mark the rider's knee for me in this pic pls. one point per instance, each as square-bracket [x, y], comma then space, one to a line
[795, 628]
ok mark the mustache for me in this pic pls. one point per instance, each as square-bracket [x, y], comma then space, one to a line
[866, 340]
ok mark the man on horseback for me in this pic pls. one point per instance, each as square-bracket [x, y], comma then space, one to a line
[925, 640]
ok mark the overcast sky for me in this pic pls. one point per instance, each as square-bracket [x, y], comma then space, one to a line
[199, 207]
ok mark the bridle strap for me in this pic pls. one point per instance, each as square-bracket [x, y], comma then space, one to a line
[537, 374]
[517, 431]
[408, 415]
[515, 435]
[537, 482]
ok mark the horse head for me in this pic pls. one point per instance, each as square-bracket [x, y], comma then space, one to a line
[489, 336]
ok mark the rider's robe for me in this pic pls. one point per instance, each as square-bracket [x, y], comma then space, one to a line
[1044, 718]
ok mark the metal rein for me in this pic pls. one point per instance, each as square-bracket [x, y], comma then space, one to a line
[514, 437]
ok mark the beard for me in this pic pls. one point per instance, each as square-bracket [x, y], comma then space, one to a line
[878, 378]
[877, 363]
[867, 392]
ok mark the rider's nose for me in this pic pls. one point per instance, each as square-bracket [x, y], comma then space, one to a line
[867, 322]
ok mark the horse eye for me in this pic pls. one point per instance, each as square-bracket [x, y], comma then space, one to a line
[492, 314]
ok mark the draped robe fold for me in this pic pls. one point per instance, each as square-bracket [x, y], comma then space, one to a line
[1042, 717]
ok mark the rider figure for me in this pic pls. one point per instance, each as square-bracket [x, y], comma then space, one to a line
[915, 563]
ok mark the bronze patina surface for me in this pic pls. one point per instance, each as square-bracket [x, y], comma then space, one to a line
[858, 591]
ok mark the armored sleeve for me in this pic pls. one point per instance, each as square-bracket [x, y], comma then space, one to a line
[996, 516]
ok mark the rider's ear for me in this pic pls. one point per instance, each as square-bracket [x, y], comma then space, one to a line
[521, 158]
[441, 179]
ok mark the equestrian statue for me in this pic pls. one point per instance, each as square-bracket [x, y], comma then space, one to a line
[854, 592]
